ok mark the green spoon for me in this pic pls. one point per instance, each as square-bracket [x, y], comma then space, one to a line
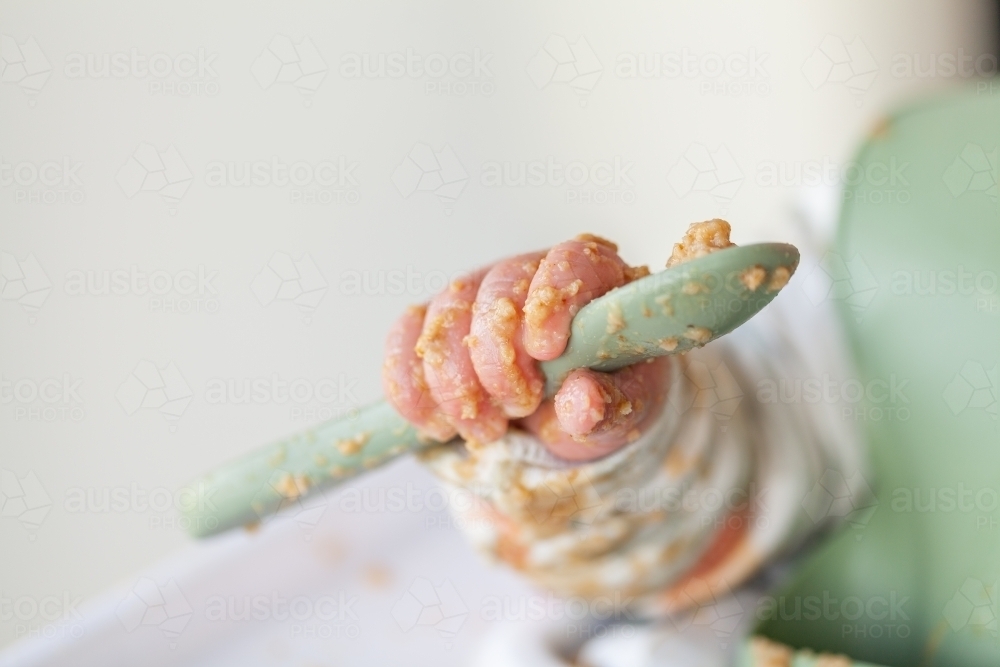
[669, 312]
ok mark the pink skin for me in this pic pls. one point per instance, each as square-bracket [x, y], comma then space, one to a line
[479, 343]
[444, 347]
[600, 412]
[403, 378]
[573, 274]
[507, 372]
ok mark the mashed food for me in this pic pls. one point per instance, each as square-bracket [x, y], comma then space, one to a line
[700, 239]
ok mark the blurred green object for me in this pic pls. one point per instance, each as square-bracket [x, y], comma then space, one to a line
[918, 261]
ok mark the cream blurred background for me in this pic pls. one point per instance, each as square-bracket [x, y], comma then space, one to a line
[130, 393]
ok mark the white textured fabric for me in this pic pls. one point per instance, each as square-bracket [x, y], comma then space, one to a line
[737, 444]
[636, 521]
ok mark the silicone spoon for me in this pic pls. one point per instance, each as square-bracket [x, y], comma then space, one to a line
[669, 312]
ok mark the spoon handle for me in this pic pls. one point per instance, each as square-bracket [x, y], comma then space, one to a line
[668, 312]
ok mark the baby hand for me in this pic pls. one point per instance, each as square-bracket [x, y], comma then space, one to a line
[467, 362]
